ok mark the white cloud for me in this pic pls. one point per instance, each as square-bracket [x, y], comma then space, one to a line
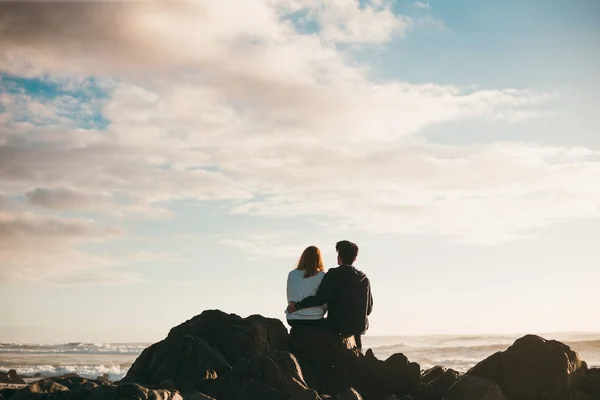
[252, 110]
[422, 5]
[346, 21]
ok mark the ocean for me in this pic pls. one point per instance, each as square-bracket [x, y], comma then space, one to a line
[93, 359]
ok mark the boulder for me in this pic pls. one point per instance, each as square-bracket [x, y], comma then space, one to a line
[276, 376]
[45, 388]
[533, 368]
[323, 358]
[588, 388]
[11, 377]
[308, 394]
[233, 336]
[197, 354]
[378, 379]
[471, 387]
[591, 383]
[432, 373]
[196, 396]
[349, 394]
[333, 365]
[136, 392]
[434, 389]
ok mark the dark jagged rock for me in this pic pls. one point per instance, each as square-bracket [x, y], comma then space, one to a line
[431, 374]
[434, 384]
[374, 378]
[198, 353]
[323, 357]
[308, 394]
[471, 387]
[46, 388]
[233, 336]
[588, 388]
[276, 376]
[197, 396]
[333, 365]
[533, 368]
[11, 377]
[349, 394]
[219, 356]
[137, 392]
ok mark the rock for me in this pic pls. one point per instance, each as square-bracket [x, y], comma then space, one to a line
[533, 368]
[474, 388]
[186, 363]
[308, 394]
[37, 389]
[132, 391]
[276, 376]
[196, 354]
[378, 379]
[233, 336]
[197, 396]
[103, 377]
[332, 365]
[323, 358]
[11, 377]
[349, 394]
[588, 387]
[431, 374]
[435, 388]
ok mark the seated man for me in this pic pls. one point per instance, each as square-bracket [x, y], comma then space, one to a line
[347, 293]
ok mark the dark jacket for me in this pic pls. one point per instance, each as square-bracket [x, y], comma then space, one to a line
[347, 293]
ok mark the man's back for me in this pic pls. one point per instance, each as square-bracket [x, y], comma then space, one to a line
[347, 292]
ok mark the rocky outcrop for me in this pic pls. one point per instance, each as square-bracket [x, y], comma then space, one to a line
[220, 356]
[471, 387]
[11, 377]
[333, 365]
[534, 369]
[588, 388]
[198, 354]
[435, 382]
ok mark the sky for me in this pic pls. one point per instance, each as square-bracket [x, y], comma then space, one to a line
[158, 159]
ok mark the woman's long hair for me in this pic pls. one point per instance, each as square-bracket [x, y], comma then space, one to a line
[311, 261]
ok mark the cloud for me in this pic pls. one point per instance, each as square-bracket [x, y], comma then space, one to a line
[257, 113]
[345, 21]
[473, 194]
[62, 199]
[422, 5]
[44, 248]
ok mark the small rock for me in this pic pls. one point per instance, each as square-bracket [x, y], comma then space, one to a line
[474, 388]
[307, 394]
[349, 394]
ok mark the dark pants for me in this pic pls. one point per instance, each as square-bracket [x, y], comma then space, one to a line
[322, 324]
[315, 323]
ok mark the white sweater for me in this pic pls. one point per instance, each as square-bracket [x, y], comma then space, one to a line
[298, 288]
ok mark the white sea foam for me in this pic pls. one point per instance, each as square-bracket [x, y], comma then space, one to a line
[73, 348]
[115, 372]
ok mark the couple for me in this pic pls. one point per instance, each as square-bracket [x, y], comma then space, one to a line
[343, 292]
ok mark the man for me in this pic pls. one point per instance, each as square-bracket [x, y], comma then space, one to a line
[347, 293]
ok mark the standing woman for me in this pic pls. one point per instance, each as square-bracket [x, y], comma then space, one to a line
[303, 282]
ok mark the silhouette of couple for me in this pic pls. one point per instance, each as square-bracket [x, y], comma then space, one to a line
[344, 293]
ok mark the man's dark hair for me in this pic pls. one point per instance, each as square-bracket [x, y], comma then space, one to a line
[347, 251]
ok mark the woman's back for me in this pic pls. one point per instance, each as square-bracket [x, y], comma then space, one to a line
[298, 288]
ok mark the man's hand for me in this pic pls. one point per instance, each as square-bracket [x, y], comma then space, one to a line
[291, 308]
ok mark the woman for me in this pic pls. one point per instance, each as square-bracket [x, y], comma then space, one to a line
[303, 282]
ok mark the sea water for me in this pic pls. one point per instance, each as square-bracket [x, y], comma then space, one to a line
[94, 359]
